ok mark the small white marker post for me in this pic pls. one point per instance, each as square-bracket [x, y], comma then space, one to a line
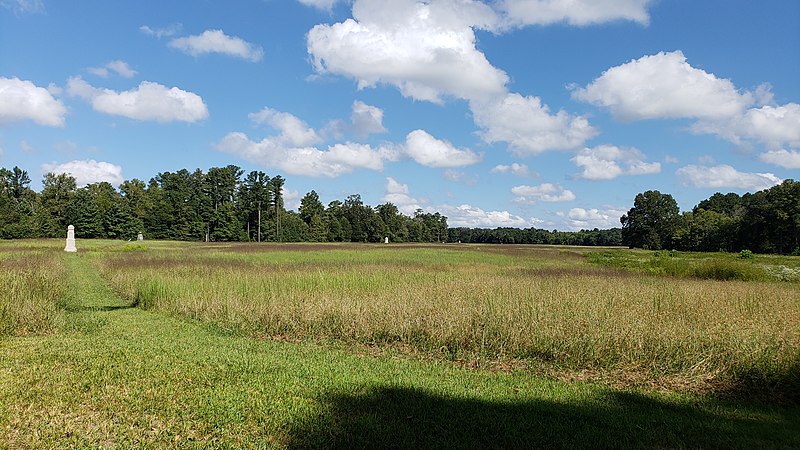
[70, 240]
[140, 237]
[386, 240]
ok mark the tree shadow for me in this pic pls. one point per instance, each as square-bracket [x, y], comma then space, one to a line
[395, 417]
[106, 308]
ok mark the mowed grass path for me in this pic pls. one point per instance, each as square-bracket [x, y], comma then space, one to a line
[118, 377]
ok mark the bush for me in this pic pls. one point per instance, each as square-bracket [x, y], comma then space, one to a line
[746, 254]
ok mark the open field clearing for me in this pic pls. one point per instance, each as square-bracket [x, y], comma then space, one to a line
[539, 307]
[194, 345]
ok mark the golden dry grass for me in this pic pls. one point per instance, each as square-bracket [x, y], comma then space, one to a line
[545, 307]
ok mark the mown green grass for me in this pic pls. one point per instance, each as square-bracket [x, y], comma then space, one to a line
[116, 376]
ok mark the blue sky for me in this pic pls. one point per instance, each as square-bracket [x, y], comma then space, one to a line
[543, 113]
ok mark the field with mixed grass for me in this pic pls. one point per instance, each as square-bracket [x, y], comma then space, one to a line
[187, 345]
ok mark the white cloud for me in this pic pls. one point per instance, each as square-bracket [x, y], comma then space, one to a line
[366, 119]
[325, 5]
[398, 194]
[473, 217]
[517, 169]
[606, 162]
[664, 86]
[291, 199]
[426, 50]
[23, 6]
[429, 151]
[150, 101]
[546, 192]
[293, 131]
[789, 159]
[23, 100]
[121, 68]
[725, 176]
[773, 126]
[574, 12]
[88, 172]
[216, 41]
[168, 31]
[588, 219]
[310, 161]
[528, 127]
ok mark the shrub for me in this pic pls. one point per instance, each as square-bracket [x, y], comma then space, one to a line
[746, 254]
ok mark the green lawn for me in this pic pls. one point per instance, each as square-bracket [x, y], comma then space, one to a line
[113, 376]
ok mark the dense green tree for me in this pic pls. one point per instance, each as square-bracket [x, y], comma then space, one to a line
[254, 200]
[652, 221]
[85, 215]
[56, 198]
[311, 207]
[276, 188]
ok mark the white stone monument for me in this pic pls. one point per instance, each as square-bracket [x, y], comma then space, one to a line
[140, 237]
[70, 239]
[386, 240]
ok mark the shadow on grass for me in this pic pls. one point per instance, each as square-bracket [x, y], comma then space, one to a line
[410, 418]
[107, 308]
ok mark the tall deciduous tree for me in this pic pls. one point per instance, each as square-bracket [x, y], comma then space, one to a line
[651, 223]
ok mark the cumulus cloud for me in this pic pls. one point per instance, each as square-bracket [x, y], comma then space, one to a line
[168, 31]
[457, 216]
[588, 219]
[366, 119]
[216, 41]
[426, 50]
[773, 126]
[121, 68]
[528, 126]
[293, 131]
[517, 169]
[310, 161]
[606, 162]
[466, 215]
[663, 86]
[88, 171]
[546, 192]
[574, 12]
[398, 194]
[293, 150]
[725, 176]
[429, 151]
[23, 100]
[789, 159]
[149, 101]
[666, 86]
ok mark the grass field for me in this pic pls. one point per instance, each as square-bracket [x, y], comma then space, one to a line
[186, 345]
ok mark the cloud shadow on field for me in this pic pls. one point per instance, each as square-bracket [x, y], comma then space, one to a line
[392, 417]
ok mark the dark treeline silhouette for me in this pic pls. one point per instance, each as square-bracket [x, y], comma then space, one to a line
[224, 204]
[612, 236]
[767, 221]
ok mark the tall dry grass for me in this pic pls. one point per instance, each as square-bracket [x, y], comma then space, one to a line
[31, 291]
[543, 306]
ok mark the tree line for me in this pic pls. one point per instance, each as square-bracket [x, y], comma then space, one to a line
[767, 221]
[225, 204]
[222, 204]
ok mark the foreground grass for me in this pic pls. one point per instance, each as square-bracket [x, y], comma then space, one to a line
[31, 290]
[116, 376]
[541, 308]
